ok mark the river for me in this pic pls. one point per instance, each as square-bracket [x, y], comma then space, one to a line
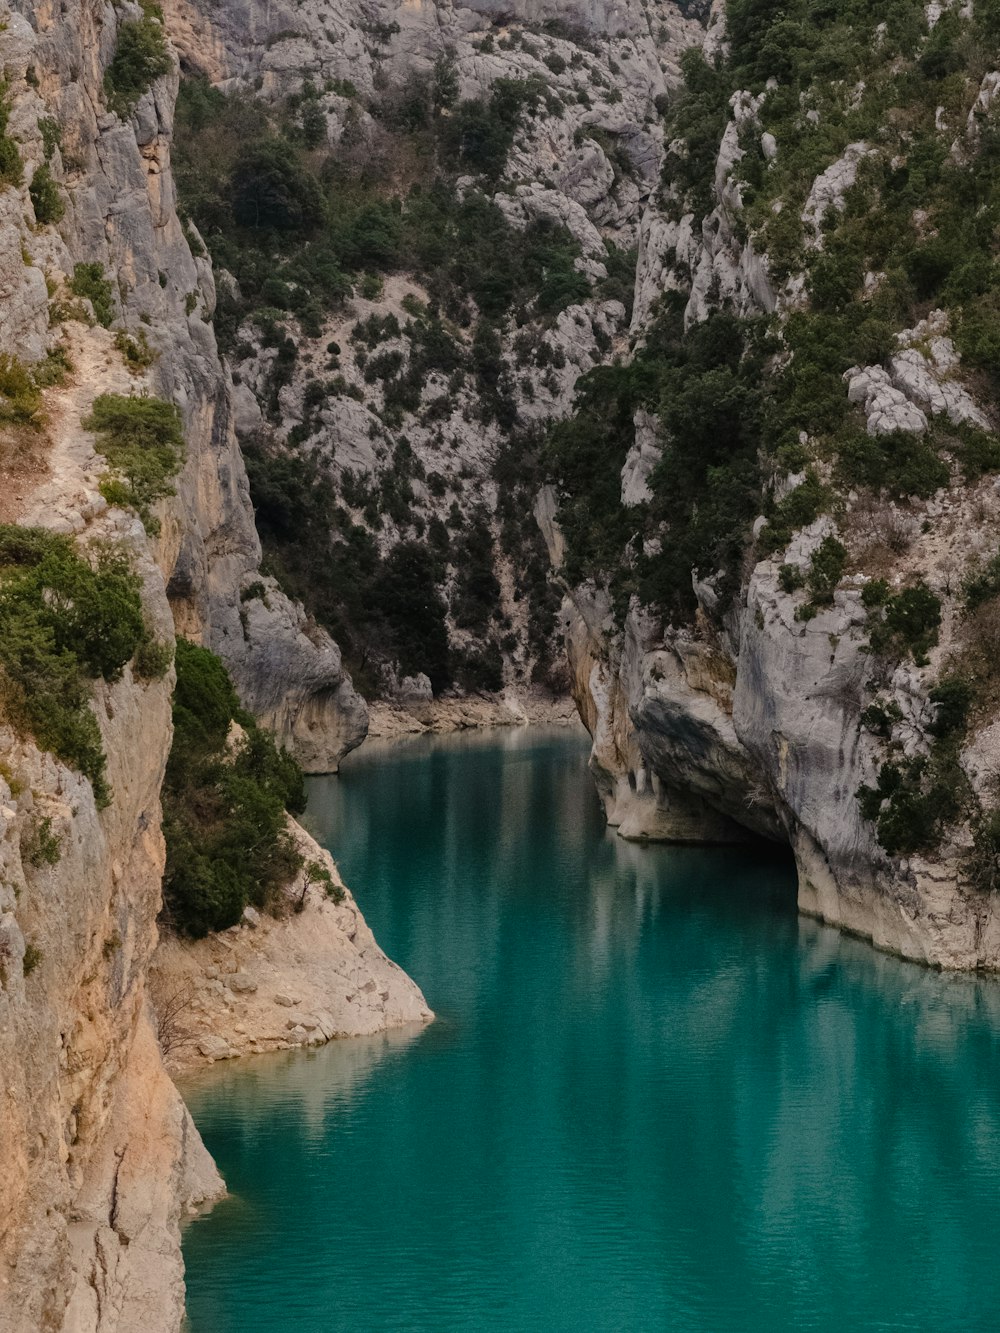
[654, 1098]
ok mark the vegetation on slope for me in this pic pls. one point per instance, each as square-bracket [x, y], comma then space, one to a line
[65, 622]
[225, 797]
[744, 403]
[922, 219]
[140, 57]
[142, 439]
[301, 225]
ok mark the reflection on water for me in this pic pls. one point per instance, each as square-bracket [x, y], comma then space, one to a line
[655, 1098]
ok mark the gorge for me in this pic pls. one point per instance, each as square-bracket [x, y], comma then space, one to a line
[432, 363]
[664, 1099]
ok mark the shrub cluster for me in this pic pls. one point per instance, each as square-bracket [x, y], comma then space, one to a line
[64, 623]
[140, 57]
[920, 218]
[89, 282]
[252, 184]
[20, 394]
[11, 166]
[706, 386]
[46, 199]
[904, 622]
[143, 442]
[224, 803]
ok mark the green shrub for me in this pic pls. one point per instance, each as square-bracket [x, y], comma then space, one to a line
[479, 134]
[480, 668]
[913, 801]
[20, 398]
[983, 585]
[140, 57]
[224, 805]
[909, 808]
[952, 698]
[32, 958]
[982, 864]
[64, 622]
[317, 873]
[153, 657]
[790, 578]
[270, 189]
[901, 463]
[143, 442]
[800, 507]
[879, 718]
[826, 568]
[908, 623]
[89, 282]
[136, 352]
[46, 198]
[11, 166]
[41, 847]
[51, 132]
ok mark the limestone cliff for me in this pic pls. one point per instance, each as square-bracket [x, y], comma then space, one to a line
[419, 410]
[778, 446]
[98, 1156]
[762, 685]
[120, 213]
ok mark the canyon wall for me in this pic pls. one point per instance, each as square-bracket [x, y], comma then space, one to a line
[778, 704]
[99, 1158]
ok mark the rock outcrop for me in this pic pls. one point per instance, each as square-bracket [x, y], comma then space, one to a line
[307, 976]
[758, 734]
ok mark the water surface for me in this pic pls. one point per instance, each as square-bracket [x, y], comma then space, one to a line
[654, 1098]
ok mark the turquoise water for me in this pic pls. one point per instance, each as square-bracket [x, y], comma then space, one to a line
[654, 1097]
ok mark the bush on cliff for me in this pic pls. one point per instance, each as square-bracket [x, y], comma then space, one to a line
[64, 623]
[224, 803]
[89, 282]
[140, 57]
[142, 439]
[45, 197]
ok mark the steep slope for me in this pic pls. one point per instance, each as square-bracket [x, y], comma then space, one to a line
[98, 1156]
[119, 214]
[796, 636]
[468, 191]
[764, 477]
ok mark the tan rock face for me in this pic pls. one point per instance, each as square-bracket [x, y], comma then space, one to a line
[98, 1156]
[313, 974]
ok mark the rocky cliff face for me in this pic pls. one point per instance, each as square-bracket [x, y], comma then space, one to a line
[120, 214]
[803, 406]
[415, 440]
[782, 700]
[98, 1155]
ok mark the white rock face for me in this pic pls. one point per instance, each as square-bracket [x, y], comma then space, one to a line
[642, 458]
[829, 188]
[921, 381]
[886, 407]
[696, 738]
